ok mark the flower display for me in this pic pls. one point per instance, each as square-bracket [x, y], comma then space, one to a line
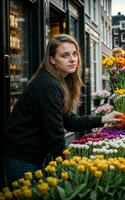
[109, 141]
[115, 66]
[76, 177]
[104, 109]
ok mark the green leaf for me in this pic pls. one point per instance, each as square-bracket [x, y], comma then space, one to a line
[93, 195]
[36, 192]
[122, 187]
[84, 194]
[119, 195]
[77, 191]
[62, 193]
[110, 194]
[71, 175]
[100, 189]
[68, 188]
[106, 188]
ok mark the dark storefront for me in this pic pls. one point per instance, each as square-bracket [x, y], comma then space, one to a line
[25, 28]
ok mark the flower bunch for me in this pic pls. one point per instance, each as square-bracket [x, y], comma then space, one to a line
[74, 178]
[115, 66]
[105, 93]
[109, 142]
[104, 109]
[118, 99]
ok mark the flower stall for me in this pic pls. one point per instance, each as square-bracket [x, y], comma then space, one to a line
[94, 165]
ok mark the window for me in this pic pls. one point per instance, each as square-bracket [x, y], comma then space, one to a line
[94, 9]
[73, 20]
[94, 64]
[123, 46]
[116, 42]
[123, 37]
[122, 25]
[73, 27]
[116, 31]
[105, 4]
[102, 3]
[102, 31]
[87, 8]
[105, 32]
[19, 46]
[109, 8]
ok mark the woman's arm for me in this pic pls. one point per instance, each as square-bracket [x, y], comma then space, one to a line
[79, 123]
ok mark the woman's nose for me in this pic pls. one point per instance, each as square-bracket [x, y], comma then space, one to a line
[72, 57]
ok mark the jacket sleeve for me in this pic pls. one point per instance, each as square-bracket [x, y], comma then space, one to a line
[79, 123]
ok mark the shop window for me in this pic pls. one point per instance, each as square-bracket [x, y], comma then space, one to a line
[19, 64]
[73, 27]
[57, 22]
[73, 20]
[55, 29]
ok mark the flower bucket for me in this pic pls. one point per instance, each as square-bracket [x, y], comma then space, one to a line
[106, 100]
[96, 102]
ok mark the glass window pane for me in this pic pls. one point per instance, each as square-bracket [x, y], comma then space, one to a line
[19, 63]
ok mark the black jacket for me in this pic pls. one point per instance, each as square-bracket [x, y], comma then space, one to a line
[36, 125]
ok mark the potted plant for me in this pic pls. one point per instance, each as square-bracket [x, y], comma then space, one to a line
[97, 97]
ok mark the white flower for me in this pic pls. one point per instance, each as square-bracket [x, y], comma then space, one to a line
[92, 157]
[107, 151]
[115, 150]
[111, 167]
[89, 142]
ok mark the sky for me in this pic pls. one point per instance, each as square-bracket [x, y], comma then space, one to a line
[118, 6]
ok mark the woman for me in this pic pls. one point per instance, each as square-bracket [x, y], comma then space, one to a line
[35, 129]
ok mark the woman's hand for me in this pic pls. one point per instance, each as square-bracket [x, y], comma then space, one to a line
[112, 117]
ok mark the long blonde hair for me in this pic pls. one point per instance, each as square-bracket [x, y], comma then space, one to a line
[71, 85]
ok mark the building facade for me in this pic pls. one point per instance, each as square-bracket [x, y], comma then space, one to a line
[106, 37]
[98, 35]
[118, 30]
[92, 15]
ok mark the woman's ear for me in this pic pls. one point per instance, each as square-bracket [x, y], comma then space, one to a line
[52, 60]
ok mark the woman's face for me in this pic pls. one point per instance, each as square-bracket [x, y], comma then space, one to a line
[66, 58]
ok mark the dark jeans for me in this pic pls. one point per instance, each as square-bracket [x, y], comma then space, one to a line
[15, 169]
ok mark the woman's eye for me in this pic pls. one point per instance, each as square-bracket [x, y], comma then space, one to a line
[65, 56]
[75, 54]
